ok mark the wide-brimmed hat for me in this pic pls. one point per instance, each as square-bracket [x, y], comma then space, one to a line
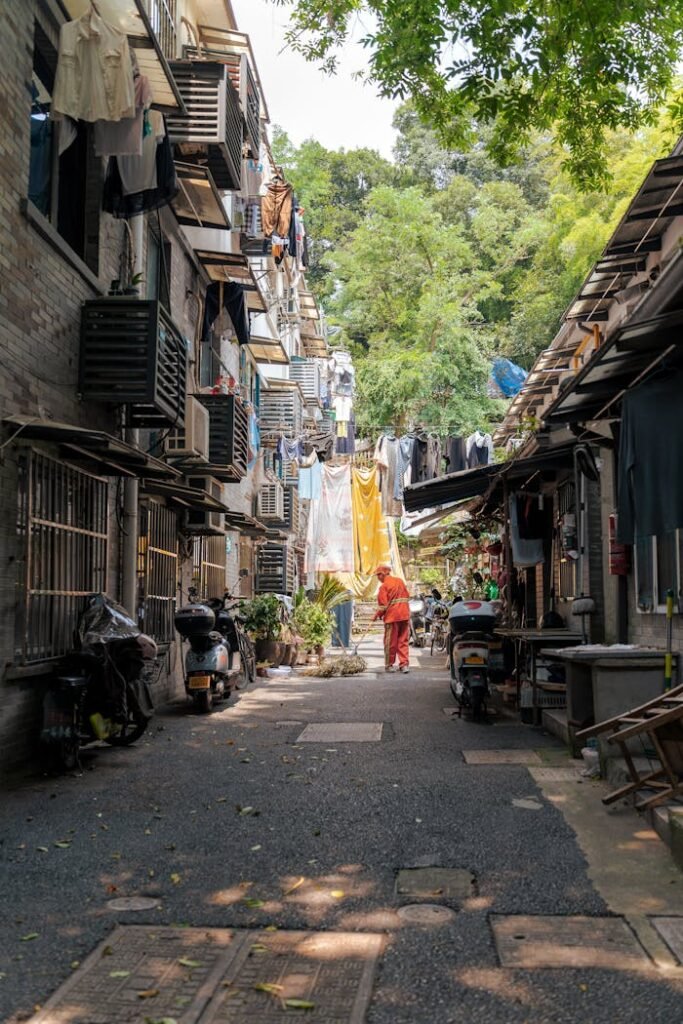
[382, 568]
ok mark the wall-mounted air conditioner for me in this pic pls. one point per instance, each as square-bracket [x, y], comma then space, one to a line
[198, 520]
[192, 442]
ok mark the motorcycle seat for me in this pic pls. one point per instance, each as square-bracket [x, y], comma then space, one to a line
[72, 682]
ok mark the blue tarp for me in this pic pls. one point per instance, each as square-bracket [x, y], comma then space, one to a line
[508, 376]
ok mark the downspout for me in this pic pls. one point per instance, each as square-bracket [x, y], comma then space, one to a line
[131, 490]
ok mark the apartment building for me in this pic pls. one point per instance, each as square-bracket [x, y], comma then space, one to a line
[145, 332]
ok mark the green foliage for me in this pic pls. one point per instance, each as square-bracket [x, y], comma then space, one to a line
[576, 71]
[313, 624]
[263, 617]
[330, 593]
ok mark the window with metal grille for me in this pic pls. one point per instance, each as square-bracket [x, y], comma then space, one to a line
[566, 565]
[162, 17]
[208, 570]
[157, 571]
[63, 521]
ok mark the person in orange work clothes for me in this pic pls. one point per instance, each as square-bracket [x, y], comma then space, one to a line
[393, 598]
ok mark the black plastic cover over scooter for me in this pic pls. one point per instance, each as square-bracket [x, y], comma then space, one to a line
[195, 620]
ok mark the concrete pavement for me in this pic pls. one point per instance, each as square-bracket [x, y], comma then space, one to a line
[230, 822]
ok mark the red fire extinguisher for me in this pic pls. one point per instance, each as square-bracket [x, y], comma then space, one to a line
[619, 554]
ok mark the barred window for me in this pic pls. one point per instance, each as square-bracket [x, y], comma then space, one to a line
[157, 571]
[208, 569]
[63, 520]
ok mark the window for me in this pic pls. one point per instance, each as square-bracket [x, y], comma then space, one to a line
[208, 566]
[157, 571]
[63, 520]
[65, 189]
[158, 267]
[658, 568]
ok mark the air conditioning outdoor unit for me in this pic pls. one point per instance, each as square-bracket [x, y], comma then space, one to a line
[192, 442]
[206, 522]
[271, 502]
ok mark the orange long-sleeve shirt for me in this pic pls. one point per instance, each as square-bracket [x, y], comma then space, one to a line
[393, 600]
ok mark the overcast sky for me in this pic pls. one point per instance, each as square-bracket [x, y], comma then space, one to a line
[337, 111]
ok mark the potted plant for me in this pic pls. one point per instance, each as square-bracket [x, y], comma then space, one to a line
[263, 620]
[314, 625]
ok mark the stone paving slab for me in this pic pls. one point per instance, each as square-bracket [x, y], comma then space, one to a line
[210, 976]
[671, 930]
[555, 941]
[569, 774]
[524, 757]
[426, 883]
[341, 732]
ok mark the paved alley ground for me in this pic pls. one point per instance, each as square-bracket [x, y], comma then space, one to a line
[243, 835]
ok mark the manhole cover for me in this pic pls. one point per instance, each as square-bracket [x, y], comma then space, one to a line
[423, 883]
[139, 974]
[426, 913]
[501, 757]
[671, 930]
[133, 903]
[341, 732]
[555, 774]
[567, 942]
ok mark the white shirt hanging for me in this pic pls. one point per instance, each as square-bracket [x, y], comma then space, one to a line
[94, 77]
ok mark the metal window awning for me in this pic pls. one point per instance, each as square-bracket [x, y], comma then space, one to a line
[308, 307]
[225, 266]
[131, 17]
[248, 526]
[198, 203]
[265, 343]
[93, 448]
[617, 366]
[475, 483]
[180, 496]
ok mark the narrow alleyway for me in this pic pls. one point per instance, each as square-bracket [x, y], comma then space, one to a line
[230, 823]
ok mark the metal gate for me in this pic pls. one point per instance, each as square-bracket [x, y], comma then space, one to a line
[208, 569]
[157, 571]
[63, 519]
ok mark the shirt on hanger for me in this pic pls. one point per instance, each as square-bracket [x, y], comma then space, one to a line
[342, 406]
[94, 77]
[124, 137]
[139, 173]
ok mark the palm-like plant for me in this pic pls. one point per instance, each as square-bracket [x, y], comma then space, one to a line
[330, 594]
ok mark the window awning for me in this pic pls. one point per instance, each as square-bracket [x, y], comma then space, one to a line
[265, 350]
[92, 448]
[224, 266]
[198, 203]
[308, 307]
[617, 366]
[474, 483]
[248, 526]
[191, 498]
[131, 17]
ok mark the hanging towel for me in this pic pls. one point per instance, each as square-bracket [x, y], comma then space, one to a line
[329, 542]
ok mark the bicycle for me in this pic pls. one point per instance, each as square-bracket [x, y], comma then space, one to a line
[439, 632]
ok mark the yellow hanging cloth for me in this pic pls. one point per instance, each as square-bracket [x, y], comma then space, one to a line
[371, 545]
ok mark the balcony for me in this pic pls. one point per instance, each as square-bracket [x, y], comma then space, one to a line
[212, 132]
[228, 437]
[132, 354]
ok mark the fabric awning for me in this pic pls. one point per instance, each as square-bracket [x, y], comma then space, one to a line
[198, 202]
[131, 17]
[93, 448]
[474, 483]
[616, 366]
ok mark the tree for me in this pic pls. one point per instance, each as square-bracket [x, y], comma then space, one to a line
[574, 70]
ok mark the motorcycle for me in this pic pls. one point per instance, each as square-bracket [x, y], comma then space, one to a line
[220, 653]
[417, 609]
[100, 690]
[471, 626]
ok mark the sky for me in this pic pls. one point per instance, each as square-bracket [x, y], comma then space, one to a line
[337, 111]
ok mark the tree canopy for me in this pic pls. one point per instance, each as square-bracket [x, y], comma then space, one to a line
[576, 71]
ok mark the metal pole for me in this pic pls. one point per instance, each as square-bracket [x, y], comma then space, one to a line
[130, 517]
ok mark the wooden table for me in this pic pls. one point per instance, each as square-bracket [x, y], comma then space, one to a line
[535, 640]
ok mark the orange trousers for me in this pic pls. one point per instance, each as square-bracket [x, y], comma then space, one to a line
[396, 643]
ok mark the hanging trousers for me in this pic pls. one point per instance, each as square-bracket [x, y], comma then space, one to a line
[396, 643]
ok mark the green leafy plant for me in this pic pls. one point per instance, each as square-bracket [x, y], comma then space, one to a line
[263, 617]
[313, 624]
[330, 594]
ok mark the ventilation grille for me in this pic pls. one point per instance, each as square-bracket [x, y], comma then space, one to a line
[228, 436]
[193, 441]
[133, 354]
[275, 569]
[306, 373]
[270, 503]
[205, 522]
[282, 411]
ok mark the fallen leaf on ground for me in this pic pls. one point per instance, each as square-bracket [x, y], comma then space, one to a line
[41, 849]
[221, 799]
[29, 938]
[75, 964]
[296, 885]
[266, 986]
[298, 1004]
[119, 974]
[175, 878]
[270, 928]
[255, 848]
[148, 993]
[338, 894]
[258, 947]
[246, 811]
[189, 963]
[160, 1020]
[252, 903]
[107, 951]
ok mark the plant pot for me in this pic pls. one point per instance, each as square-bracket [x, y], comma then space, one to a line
[294, 655]
[269, 650]
[286, 653]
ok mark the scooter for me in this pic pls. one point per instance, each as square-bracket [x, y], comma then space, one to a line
[417, 621]
[213, 664]
[470, 636]
[100, 690]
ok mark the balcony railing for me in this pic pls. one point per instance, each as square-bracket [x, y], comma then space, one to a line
[162, 17]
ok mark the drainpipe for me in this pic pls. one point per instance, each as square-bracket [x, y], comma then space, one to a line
[130, 517]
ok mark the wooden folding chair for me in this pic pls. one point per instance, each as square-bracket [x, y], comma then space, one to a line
[661, 720]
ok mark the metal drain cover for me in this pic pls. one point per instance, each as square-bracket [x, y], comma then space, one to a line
[341, 732]
[426, 914]
[423, 883]
[523, 941]
[671, 930]
[501, 757]
[133, 903]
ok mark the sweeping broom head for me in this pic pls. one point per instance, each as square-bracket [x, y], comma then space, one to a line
[583, 606]
[346, 665]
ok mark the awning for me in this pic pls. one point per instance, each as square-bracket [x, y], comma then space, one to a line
[131, 17]
[94, 449]
[474, 483]
[191, 498]
[265, 343]
[244, 524]
[225, 266]
[198, 203]
[308, 307]
[617, 366]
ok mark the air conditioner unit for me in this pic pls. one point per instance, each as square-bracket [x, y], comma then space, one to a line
[206, 522]
[271, 502]
[192, 442]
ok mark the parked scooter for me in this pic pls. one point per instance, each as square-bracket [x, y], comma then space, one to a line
[212, 663]
[471, 634]
[100, 691]
[418, 624]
